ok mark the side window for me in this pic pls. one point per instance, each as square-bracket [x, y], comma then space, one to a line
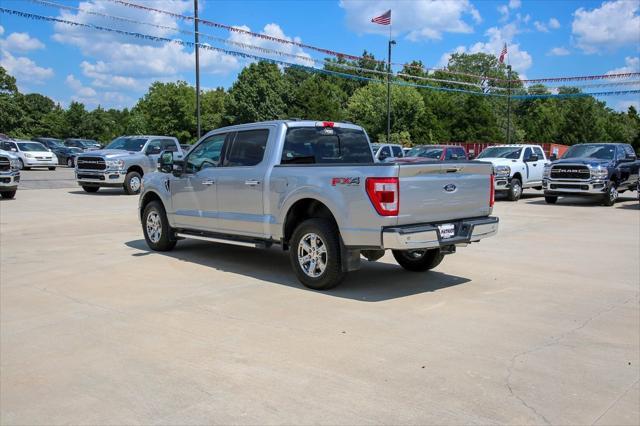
[385, 152]
[247, 148]
[539, 153]
[10, 146]
[629, 150]
[461, 153]
[527, 154]
[169, 145]
[206, 154]
[154, 147]
[397, 151]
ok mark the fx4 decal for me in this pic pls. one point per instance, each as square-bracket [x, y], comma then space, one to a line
[345, 181]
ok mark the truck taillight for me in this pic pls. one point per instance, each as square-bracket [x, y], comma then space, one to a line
[384, 194]
[492, 191]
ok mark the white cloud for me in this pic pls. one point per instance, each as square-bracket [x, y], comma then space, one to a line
[541, 27]
[519, 59]
[559, 51]
[503, 9]
[631, 64]
[21, 42]
[418, 19]
[623, 106]
[554, 24]
[612, 25]
[1, 30]
[272, 30]
[514, 4]
[24, 69]
[79, 90]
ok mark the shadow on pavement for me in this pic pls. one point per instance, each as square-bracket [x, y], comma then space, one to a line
[102, 191]
[591, 201]
[375, 282]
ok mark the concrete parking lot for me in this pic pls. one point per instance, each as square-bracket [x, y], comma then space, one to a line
[539, 325]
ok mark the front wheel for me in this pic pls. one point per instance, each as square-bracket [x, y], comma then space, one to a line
[132, 183]
[52, 168]
[155, 226]
[21, 164]
[515, 189]
[69, 162]
[610, 197]
[90, 189]
[314, 252]
[8, 194]
[418, 260]
[550, 199]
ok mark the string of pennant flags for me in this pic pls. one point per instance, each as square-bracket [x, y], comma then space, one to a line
[244, 55]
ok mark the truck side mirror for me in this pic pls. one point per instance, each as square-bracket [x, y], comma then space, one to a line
[553, 157]
[165, 162]
[532, 157]
[153, 150]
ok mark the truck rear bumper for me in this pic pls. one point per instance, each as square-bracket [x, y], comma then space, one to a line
[428, 236]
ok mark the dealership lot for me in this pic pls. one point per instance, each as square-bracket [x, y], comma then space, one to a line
[537, 325]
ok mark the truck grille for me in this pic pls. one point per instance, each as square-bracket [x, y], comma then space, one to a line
[91, 163]
[570, 172]
[4, 164]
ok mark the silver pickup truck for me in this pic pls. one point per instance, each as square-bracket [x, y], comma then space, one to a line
[123, 162]
[314, 189]
[9, 174]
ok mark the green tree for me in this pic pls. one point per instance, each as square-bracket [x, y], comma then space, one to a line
[257, 95]
[169, 109]
[316, 98]
[212, 109]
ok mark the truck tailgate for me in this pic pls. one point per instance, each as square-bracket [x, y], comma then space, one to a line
[434, 192]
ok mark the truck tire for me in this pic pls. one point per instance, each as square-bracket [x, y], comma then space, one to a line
[155, 226]
[550, 199]
[8, 194]
[132, 183]
[69, 162]
[515, 189]
[610, 197]
[90, 189]
[21, 164]
[52, 168]
[314, 251]
[418, 260]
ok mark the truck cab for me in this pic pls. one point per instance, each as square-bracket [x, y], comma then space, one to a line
[516, 167]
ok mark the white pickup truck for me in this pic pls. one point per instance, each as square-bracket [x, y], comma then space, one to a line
[516, 167]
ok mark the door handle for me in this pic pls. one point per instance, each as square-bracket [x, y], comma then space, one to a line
[252, 182]
[208, 182]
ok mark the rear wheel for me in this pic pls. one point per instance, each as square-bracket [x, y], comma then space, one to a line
[515, 189]
[156, 229]
[418, 260]
[550, 199]
[8, 194]
[314, 252]
[610, 197]
[90, 188]
[132, 183]
[52, 168]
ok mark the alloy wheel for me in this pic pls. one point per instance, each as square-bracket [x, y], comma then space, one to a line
[312, 255]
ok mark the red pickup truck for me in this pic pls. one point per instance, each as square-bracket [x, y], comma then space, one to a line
[435, 153]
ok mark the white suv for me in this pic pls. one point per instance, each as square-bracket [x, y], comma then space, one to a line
[515, 167]
[383, 152]
[31, 154]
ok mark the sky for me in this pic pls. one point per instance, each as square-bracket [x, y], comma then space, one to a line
[544, 38]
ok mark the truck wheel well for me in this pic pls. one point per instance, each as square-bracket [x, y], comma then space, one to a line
[148, 197]
[517, 176]
[135, 169]
[302, 210]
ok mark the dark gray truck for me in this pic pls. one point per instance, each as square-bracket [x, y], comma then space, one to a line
[313, 188]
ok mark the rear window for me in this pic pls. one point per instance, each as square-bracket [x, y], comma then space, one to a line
[313, 145]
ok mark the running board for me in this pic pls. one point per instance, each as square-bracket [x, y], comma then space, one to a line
[211, 239]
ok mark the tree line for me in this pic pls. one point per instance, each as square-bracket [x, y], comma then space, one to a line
[263, 91]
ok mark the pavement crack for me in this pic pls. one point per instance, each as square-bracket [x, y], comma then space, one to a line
[615, 401]
[556, 340]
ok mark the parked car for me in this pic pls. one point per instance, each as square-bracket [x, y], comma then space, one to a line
[83, 144]
[315, 189]
[405, 150]
[436, 152]
[516, 167]
[123, 162]
[30, 154]
[384, 152]
[9, 174]
[186, 147]
[600, 170]
[66, 155]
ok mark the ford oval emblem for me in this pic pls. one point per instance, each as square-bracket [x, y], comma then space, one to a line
[450, 188]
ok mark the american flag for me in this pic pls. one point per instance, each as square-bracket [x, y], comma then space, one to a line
[503, 54]
[384, 19]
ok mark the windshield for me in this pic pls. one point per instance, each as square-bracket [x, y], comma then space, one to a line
[31, 146]
[425, 152]
[56, 143]
[311, 145]
[600, 152]
[127, 144]
[501, 152]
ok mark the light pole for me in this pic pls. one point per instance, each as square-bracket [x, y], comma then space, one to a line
[195, 22]
[391, 42]
[509, 104]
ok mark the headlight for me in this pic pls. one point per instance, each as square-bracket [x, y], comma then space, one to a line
[599, 173]
[14, 164]
[115, 164]
[502, 171]
[26, 154]
[547, 171]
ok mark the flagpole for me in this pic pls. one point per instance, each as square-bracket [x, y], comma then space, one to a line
[389, 85]
[508, 99]
[195, 22]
